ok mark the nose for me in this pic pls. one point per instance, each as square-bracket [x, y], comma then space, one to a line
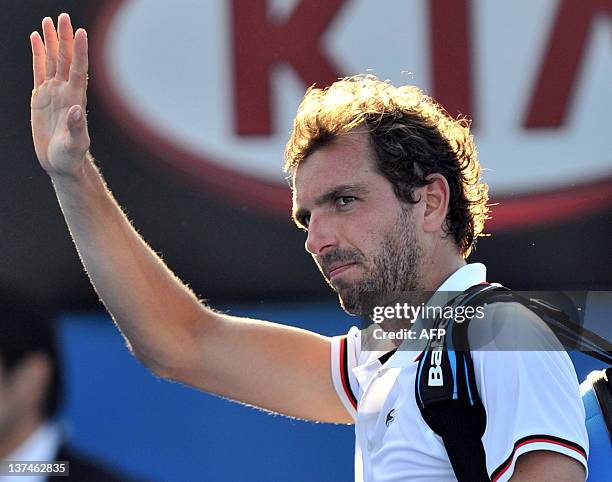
[321, 235]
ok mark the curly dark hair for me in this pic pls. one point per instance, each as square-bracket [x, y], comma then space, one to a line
[412, 137]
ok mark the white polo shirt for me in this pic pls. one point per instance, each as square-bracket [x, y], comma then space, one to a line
[531, 398]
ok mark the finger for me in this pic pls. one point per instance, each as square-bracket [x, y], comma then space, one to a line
[77, 141]
[51, 47]
[80, 62]
[64, 57]
[75, 121]
[38, 59]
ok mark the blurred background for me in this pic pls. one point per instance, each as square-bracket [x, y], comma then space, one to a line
[190, 103]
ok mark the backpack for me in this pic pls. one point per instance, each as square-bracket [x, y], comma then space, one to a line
[455, 412]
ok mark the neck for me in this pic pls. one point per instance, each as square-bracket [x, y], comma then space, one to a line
[438, 267]
[12, 437]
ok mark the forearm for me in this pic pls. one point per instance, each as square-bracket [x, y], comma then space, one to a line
[272, 366]
[155, 311]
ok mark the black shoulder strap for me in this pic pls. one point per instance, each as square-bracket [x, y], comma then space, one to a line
[570, 332]
[447, 395]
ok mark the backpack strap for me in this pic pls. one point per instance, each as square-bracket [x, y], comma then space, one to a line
[569, 332]
[447, 394]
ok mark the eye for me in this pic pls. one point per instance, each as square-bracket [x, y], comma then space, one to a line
[344, 200]
[305, 220]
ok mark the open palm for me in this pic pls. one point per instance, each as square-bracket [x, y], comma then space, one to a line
[59, 127]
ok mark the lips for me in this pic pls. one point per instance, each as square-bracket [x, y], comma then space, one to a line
[338, 268]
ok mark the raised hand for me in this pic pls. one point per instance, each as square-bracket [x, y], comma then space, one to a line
[59, 126]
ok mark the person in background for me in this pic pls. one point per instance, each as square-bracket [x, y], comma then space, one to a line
[31, 388]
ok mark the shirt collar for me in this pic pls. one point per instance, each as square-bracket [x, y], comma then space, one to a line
[43, 444]
[466, 276]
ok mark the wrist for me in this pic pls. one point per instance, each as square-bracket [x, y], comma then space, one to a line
[76, 176]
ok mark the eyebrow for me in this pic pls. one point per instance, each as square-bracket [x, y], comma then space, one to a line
[330, 196]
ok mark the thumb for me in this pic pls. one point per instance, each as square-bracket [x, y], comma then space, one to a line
[76, 120]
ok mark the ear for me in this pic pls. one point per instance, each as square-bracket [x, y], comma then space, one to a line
[31, 379]
[436, 195]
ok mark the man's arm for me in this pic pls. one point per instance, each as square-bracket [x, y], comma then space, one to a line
[279, 368]
[543, 466]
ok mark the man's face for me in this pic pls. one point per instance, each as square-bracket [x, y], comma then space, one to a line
[363, 239]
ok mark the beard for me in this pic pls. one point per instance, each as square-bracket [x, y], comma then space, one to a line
[388, 274]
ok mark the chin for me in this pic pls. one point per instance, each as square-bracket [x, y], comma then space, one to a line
[351, 303]
[350, 310]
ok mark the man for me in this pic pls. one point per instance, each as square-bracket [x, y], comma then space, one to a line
[31, 386]
[387, 186]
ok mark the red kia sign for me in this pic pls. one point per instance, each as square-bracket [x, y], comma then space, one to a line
[211, 87]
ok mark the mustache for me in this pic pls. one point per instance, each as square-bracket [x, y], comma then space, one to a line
[339, 256]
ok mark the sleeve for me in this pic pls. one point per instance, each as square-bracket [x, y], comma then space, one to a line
[532, 401]
[345, 351]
